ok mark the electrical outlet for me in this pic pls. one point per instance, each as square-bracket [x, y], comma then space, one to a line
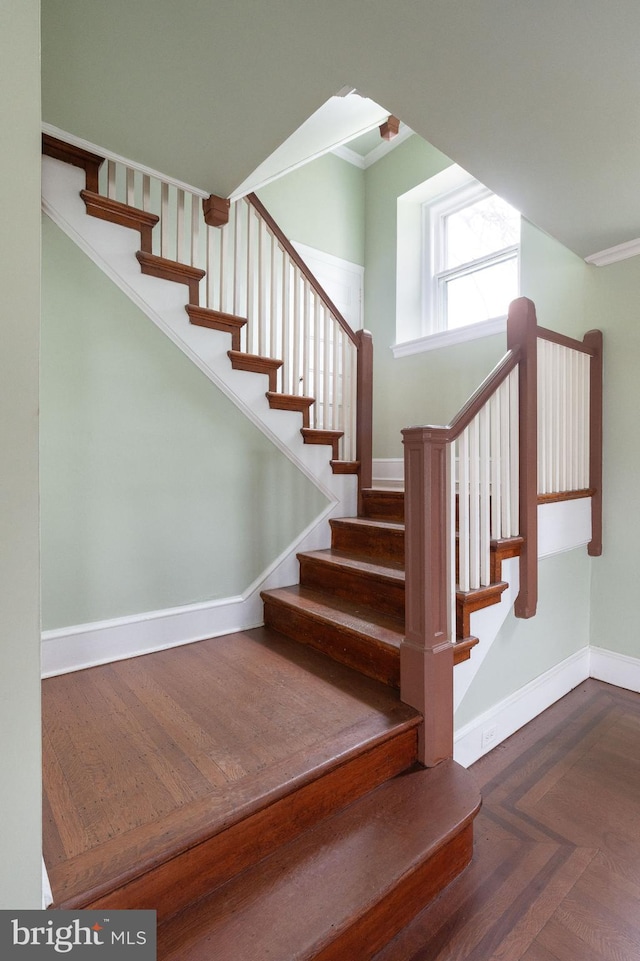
[489, 736]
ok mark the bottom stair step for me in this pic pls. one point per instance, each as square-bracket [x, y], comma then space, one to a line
[344, 888]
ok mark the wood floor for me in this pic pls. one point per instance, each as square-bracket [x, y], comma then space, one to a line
[556, 869]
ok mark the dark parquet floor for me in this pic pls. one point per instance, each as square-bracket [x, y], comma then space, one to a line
[556, 869]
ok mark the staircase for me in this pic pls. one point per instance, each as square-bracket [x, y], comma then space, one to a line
[328, 852]
[333, 858]
[350, 601]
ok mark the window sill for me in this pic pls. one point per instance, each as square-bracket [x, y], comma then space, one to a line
[446, 338]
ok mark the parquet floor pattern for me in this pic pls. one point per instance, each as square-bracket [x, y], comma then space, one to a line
[556, 869]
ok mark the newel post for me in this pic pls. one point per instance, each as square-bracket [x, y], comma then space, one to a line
[426, 653]
[364, 408]
[522, 336]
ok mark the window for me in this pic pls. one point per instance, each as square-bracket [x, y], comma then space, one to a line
[468, 272]
[472, 258]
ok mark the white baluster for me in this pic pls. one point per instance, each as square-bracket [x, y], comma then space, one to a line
[514, 460]
[111, 180]
[164, 220]
[485, 495]
[180, 226]
[463, 511]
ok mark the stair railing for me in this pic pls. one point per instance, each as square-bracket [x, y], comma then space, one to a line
[254, 272]
[484, 468]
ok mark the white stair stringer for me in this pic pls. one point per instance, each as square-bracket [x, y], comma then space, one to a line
[113, 248]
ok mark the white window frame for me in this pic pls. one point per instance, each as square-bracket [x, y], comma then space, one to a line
[417, 298]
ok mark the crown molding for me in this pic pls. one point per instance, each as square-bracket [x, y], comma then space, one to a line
[614, 254]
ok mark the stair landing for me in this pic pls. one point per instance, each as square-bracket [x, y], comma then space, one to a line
[165, 758]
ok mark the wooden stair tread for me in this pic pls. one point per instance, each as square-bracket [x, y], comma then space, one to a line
[172, 270]
[368, 523]
[345, 466]
[343, 560]
[358, 618]
[294, 402]
[217, 320]
[105, 208]
[334, 892]
[256, 364]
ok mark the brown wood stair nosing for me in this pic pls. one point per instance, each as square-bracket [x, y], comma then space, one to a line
[180, 870]
[501, 550]
[256, 364]
[467, 602]
[346, 631]
[462, 649]
[378, 586]
[345, 887]
[217, 320]
[105, 208]
[294, 402]
[173, 270]
[345, 466]
[316, 435]
[77, 156]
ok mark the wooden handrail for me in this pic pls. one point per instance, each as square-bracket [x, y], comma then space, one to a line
[593, 340]
[300, 264]
[478, 399]
[563, 340]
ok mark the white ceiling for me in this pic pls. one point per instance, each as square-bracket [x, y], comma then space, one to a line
[539, 100]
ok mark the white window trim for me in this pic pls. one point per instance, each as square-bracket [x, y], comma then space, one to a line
[415, 299]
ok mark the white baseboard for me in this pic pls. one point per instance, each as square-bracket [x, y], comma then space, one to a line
[618, 669]
[87, 645]
[491, 728]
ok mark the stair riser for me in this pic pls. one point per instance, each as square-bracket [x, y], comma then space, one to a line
[190, 876]
[397, 907]
[378, 543]
[386, 505]
[371, 590]
[347, 647]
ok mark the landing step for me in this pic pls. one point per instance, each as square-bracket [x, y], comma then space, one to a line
[348, 632]
[344, 888]
[220, 766]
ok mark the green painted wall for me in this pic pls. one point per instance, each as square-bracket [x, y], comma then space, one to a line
[20, 795]
[525, 649]
[321, 205]
[156, 490]
[614, 307]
